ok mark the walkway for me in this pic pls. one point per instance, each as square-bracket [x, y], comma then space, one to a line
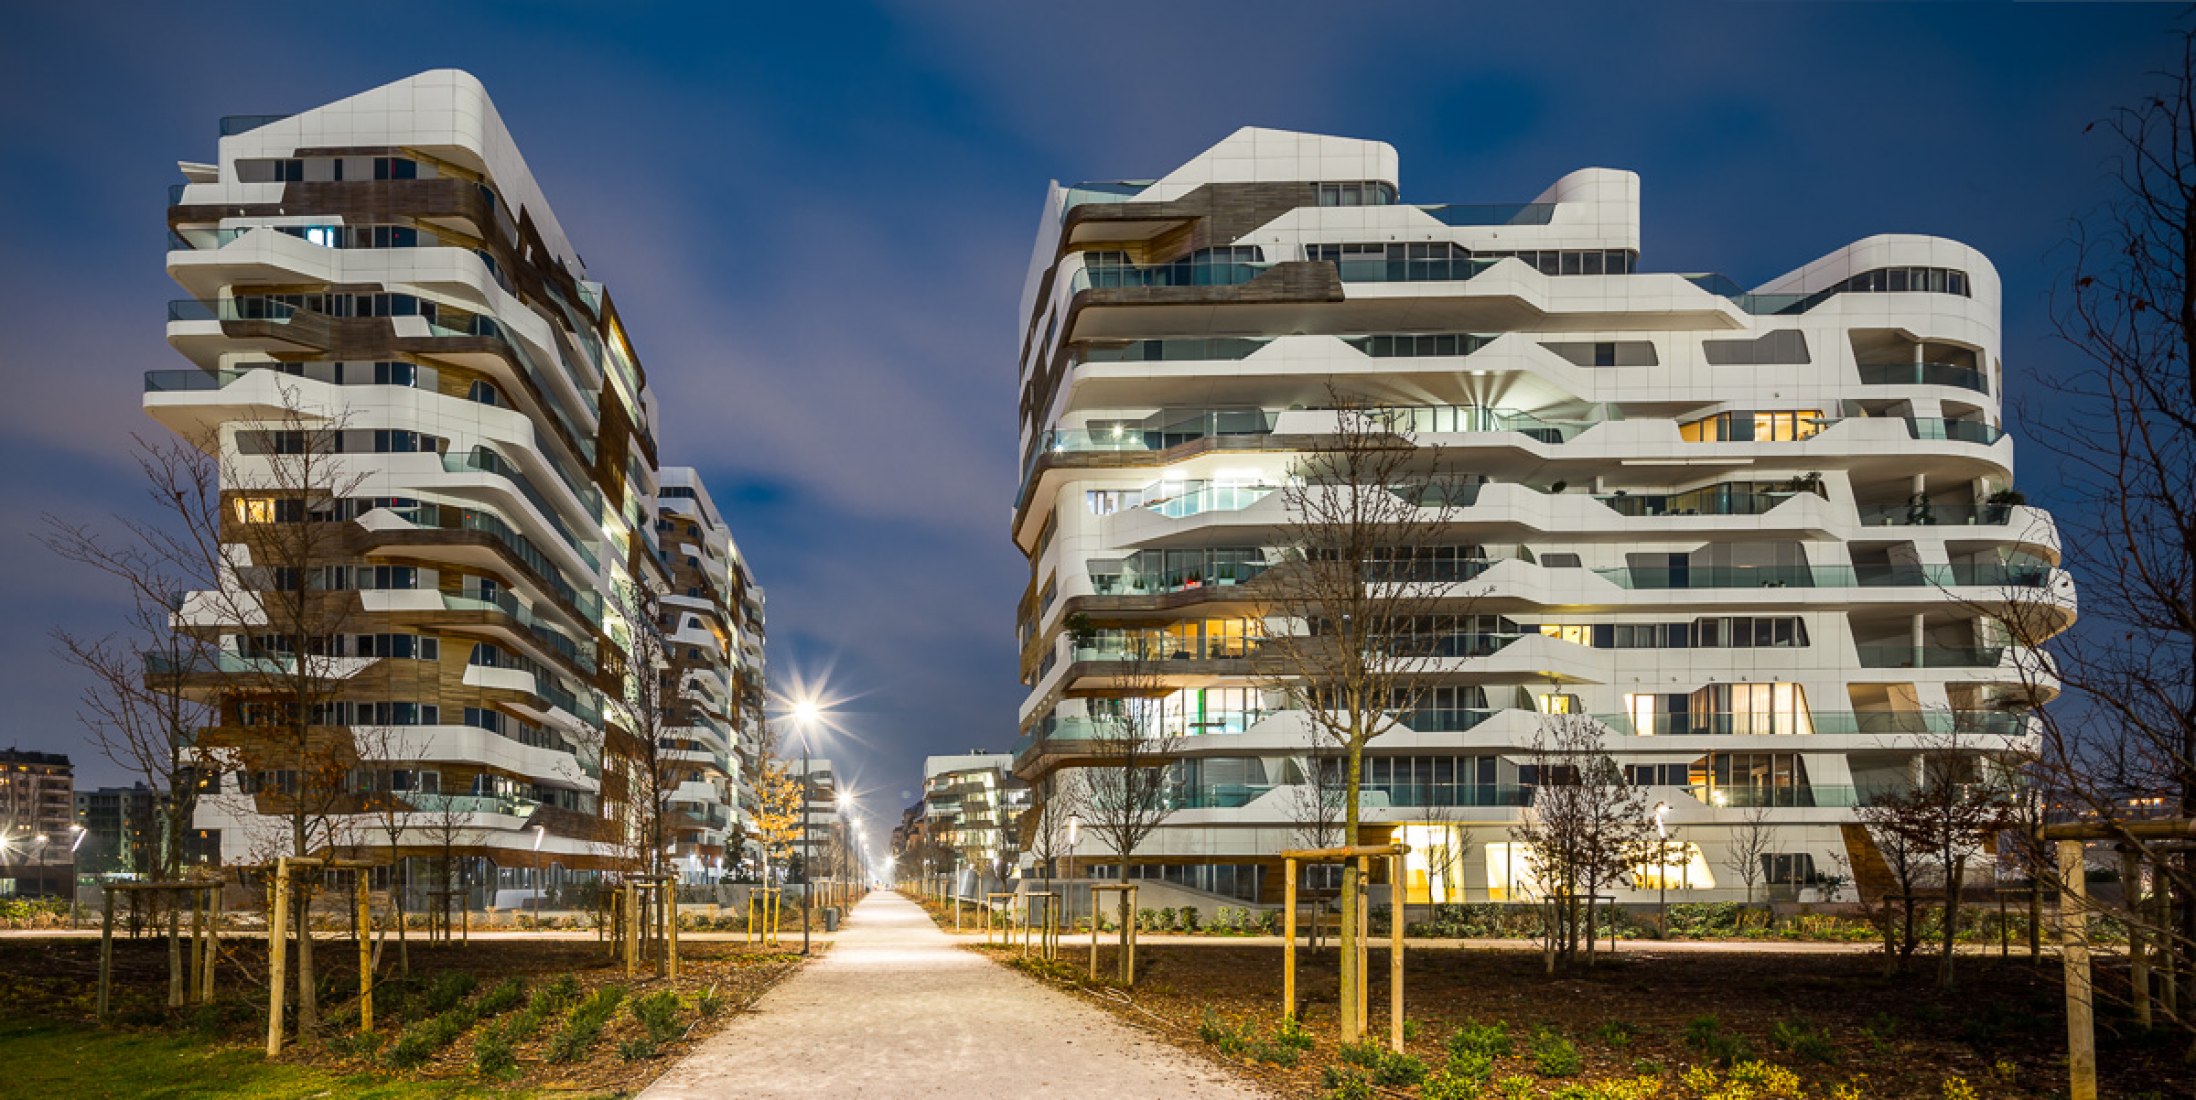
[896, 1009]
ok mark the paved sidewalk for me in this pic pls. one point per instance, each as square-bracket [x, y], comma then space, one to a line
[897, 1009]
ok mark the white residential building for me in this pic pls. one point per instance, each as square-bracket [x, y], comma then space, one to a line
[386, 267]
[1758, 535]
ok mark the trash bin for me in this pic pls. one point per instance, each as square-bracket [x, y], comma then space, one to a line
[831, 918]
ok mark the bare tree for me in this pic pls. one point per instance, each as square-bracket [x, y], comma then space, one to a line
[781, 808]
[1362, 605]
[657, 703]
[1046, 825]
[1587, 829]
[1126, 780]
[2124, 430]
[1751, 841]
[1316, 801]
[1957, 804]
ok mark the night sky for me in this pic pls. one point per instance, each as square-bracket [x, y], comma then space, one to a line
[816, 218]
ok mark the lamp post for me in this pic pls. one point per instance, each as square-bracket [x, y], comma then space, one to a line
[805, 713]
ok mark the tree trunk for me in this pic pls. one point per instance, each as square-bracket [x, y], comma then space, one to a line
[1955, 873]
[308, 999]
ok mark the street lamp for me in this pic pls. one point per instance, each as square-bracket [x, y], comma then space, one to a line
[806, 713]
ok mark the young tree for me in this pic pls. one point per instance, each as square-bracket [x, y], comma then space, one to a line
[1751, 841]
[1358, 610]
[1956, 806]
[658, 703]
[1045, 825]
[1126, 780]
[780, 806]
[1586, 830]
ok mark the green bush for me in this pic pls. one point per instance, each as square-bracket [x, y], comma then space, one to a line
[494, 1053]
[1706, 1034]
[1188, 916]
[1219, 1034]
[1474, 1067]
[708, 1002]
[1291, 1034]
[1615, 1033]
[1491, 1040]
[420, 1041]
[1802, 1039]
[658, 1014]
[635, 1050]
[1514, 1088]
[1364, 1053]
[1345, 1083]
[585, 1024]
[451, 986]
[507, 995]
[1449, 1086]
[1552, 1054]
[1399, 1069]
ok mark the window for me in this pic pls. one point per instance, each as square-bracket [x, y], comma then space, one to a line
[395, 168]
[270, 509]
[1788, 869]
[1363, 193]
[1753, 427]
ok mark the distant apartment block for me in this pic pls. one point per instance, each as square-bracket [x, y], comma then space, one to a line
[37, 824]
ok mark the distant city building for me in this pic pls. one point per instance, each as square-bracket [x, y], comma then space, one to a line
[37, 824]
[122, 832]
[1762, 540]
[972, 807]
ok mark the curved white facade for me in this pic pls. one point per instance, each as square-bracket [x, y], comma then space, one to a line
[1758, 534]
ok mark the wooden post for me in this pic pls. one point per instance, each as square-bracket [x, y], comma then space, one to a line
[175, 949]
[365, 953]
[2081, 1038]
[106, 948]
[632, 929]
[1094, 935]
[2161, 902]
[212, 943]
[1288, 938]
[2138, 962]
[1364, 946]
[671, 926]
[278, 932]
[1130, 924]
[198, 939]
[1395, 953]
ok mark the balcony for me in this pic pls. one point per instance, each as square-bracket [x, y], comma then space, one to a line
[1462, 419]
[1145, 439]
[1957, 431]
[1996, 723]
[1451, 794]
[1197, 497]
[1982, 574]
[1157, 572]
[1489, 214]
[580, 654]
[509, 805]
[1925, 514]
[1800, 797]
[1924, 374]
[1182, 273]
[1440, 269]
[1714, 500]
[1931, 656]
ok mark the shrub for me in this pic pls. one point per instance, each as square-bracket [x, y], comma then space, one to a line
[420, 1041]
[708, 1002]
[1219, 1034]
[636, 1050]
[585, 1024]
[1345, 1083]
[1147, 919]
[1449, 1086]
[1472, 1067]
[1553, 1055]
[1291, 1034]
[507, 995]
[1766, 1079]
[1166, 919]
[1398, 1069]
[494, 1053]
[1801, 1039]
[1188, 915]
[1957, 1088]
[451, 986]
[1615, 1033]
[1269, 921]
[1491, 1040]
[1514, 1088]
[658, 1014]
[1706, 1034]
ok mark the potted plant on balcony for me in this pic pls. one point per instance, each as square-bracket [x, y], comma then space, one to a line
[1998, 506]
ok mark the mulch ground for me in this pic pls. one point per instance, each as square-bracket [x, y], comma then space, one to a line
[56, 979]
[2001, 1030]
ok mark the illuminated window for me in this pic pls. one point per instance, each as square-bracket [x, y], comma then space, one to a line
[1680, 867]
[1556, 703]
[1754, 427]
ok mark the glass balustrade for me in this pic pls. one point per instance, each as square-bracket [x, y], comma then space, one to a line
[1924, 374]
[1457, 419]
[1925, 514]
[1484, 214]
[511, 805]
[1930, 656]
[1197, 498]
[1452, 794]
[1818, 723]
[1958, 431]
[1439, 269]
[2005, 575]
[1183, 274]
[1717, 500]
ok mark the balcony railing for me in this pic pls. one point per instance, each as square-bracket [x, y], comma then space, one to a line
[1958, 431]
[1209, 569]
[1924, 374]
[1805, 796]
[1820, 723]
[1925, 514]
[1452, 794]
[512, 805]
[1445, 269]
[1931, 656]
[1445, 419]
[1209, 498]
[1987, 574]
[1501, 213]
[1719, 500]
[1185, 273]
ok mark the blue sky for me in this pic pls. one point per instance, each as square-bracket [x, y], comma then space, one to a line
[816, 219]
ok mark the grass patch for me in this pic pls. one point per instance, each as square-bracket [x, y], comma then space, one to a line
[46, 1059]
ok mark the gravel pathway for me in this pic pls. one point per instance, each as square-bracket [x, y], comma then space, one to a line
[897, 1009]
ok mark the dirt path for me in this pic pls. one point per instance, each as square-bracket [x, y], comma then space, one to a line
[897, 1009]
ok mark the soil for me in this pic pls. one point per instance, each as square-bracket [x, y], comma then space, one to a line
[57, 979]
[2002, 1030]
